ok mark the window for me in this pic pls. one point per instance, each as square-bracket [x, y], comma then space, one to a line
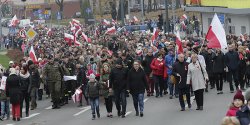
[232, 29]
[243, 29]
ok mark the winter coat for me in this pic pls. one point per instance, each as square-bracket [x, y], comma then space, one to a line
[232, 60]
[158, 67]
[209, 63]
[232, 111]
[118, 78]
[244, 115]
[196, 76]
[13, 89]
[35, 78]
[25, 81]
[242, 63]
[169, 61]
[181, 68]
[146, 64]
[93, 89]
[219, 63]
[137, 82]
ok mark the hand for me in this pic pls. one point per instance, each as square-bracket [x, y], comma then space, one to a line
[110, 90]
[178, 75]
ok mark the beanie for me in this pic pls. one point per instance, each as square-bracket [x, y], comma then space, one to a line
[239, 95]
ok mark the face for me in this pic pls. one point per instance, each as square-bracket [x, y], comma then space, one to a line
[136, 65]
[194, 58]
[230, 47]
[22, 70]
[181, 58]
[238, 103]
[105, 68]
[150, 52]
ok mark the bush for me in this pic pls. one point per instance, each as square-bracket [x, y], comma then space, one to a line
[15, 55]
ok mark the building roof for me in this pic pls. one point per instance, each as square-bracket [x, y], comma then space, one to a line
[218, 10]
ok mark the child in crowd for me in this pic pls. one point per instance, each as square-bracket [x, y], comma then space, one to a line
[237, 103]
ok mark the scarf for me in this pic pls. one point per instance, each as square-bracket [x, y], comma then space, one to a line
[25, 75]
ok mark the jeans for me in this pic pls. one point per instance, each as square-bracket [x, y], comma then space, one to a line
[109, 104]
[138, 99]
[94, 102]
[5, 108]
[33, 96]
[158, 84]
[233, 74]
[120, 99]
[172, 88]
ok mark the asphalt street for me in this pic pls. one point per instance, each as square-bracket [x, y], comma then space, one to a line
[158, 111]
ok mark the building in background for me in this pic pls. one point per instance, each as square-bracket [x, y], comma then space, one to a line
[233, 14]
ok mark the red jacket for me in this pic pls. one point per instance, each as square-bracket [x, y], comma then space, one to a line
[232, 111]
[158, 67]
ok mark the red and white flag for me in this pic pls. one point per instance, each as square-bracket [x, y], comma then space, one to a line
[75, 37]
[14, 21]
[114, 22]
[216, 35]
[184, 16]
[179, 48]
[32, 54]
[135, 19]
[105, 22]
[155, 34]
[111, 30]
[76, 22]
[68, 37]
[86, 37]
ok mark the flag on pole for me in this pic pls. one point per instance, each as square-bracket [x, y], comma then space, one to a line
[178, 43]
[184, 16]
[114, 22]
[155, 34]
[75, 37]
[135, 19]
[32, 54]
[216, 35]
[14, 21]
[85, 37]
[68, 38]
[105, 22]
[76, 22]
[111, 30]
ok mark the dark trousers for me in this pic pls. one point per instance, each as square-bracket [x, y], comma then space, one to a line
[109, 104]
[199, 97]
[247, 80]
[158, 80]
[241, 78]
[233, 74]
[211, 80]
[40, 94]
[120, 99]
[218, 77]
[184, 91]
[26, 98]
[150, 84]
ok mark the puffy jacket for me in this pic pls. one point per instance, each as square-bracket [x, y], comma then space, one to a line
[169, 59]
[93, 89]
[158, 67]
[118, 78]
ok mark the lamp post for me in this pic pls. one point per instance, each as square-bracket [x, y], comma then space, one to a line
[166, 25]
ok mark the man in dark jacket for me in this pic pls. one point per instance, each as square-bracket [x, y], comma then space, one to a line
[146, 65]
[232, 63]
[118, 77]
[218, 69]
[180, 69]
[209, 67]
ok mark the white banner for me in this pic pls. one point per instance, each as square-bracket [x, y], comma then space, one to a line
[3, 83]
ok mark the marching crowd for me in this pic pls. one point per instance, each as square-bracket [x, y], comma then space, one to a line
[114, 66]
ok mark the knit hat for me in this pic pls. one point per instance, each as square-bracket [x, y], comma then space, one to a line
[247, 94]
[92, 76]
[239, 95]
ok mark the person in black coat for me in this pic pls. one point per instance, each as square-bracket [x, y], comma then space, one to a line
[146, 65]
[137, 84]
[232, 63]
[218, 69]
[209, 67]
[180, 69]
[118, 82]
[13, 91]
[242, 67]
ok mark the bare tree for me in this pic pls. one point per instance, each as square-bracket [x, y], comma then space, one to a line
[60, 4]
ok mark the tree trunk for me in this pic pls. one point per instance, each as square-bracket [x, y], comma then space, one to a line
[149, 6]
[113, 10]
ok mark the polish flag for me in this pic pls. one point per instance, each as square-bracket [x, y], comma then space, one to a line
[68, 38]
[49, 32]
[105, 22]
[76, 22]
[184, 16]
[75, 38]
[32, 54]
[178, 43]
[114, 22]
[14, 21]
[216, 35]
[155, 34]
[111, 30]
[135, 19]
[86, 37]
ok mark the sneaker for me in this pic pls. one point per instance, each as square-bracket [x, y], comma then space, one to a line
[141, 114]
[18, 119]
[123, 116]
[110, 116]
[93, 117]
[176, 96]
[14, 119]
[189, 106]
[98, 115]
[218, 92]
[221, 92]
[119, 113]
[165, 92]
[182, 109]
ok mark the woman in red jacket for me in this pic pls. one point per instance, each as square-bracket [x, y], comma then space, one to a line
[158, 68]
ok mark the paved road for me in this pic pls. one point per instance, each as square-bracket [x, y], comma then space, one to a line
[158, 111]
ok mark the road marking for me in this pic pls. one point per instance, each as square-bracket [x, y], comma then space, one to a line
[85, 107]
[191, 101]
[32, 115]
[146, 99]
[129, 112]
[9, 124]
[84, 110]
[50, 107]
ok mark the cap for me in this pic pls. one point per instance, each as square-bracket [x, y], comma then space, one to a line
[239, 95]
[11, 62]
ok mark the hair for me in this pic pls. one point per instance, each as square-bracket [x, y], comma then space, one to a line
[138, 61]
[230, 120]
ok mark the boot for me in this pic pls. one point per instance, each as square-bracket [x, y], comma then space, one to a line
[93, 117]
[137, 113]
[201, 108]
[141, 114]
[198, 108]
[98, 114]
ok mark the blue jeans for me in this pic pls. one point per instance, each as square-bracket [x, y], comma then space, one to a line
[120, 99]
[94, 102]
[138, 99]
[5, 108]
[172, 87]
